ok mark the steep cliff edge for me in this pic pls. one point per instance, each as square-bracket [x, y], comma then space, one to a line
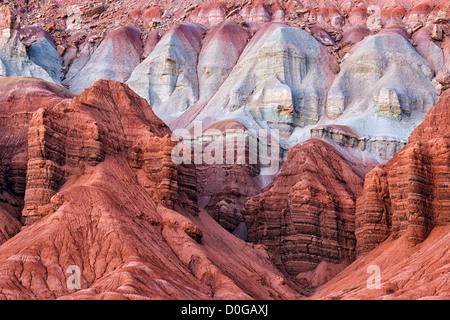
[403, 221]
[108, 215]
[19, 99]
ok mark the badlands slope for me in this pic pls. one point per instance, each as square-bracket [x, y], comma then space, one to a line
[354, 96]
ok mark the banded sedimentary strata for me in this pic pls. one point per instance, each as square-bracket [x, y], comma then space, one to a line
[103, 199]
[167, 78]
[93, 180]
[384, 147]
[187, 65]
[306, 215]
[275, 82]
[114, 59]
[19, 99]
[54, 154]
[228, 171]
[409, 194]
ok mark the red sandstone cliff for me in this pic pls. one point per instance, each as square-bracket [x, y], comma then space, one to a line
[104, 200]
[306, 215]
[19, 99]
[88, 181]
[403, 221]
[410, 194]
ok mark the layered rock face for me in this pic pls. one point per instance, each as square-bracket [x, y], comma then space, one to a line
[275, 82]
[375, 81]
[404, 272]
[89, 187]
[278, 66]
[108, 215]
[99, 128]
[19, 99]
[409, 195]
[306, 215]
[226, 175]
[402, 222]
[42, 51]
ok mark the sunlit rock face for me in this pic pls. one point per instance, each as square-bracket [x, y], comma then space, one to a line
[167, 78]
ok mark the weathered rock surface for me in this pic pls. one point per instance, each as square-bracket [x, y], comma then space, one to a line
[373, 149]
[381, 85]
[97, 119]
[306, 215]
[105, 203]
[167, 78]
[221, 50]
[406, 273]
[255, 14]
[275, 83]
[42, 51]
[409, 195]
[19, 99]
[197, 86]
[210, 15]
[14, 60]
[114, 59]
[226, 180]
[88, 174]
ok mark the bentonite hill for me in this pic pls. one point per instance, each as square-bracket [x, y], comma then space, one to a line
[225, 149]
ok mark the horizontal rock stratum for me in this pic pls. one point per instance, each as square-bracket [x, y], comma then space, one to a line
[402, 220]
[101, 197]
[335, 115]
[375, 66]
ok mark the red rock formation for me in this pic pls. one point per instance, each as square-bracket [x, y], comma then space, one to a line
[306, 215]
[87, 175]
[403, 221]
[392, 16]
[105, 205]
[409, 195]
[223, 186]
[19, 98]
[9, 19]
[101, 130]
[405, 272]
